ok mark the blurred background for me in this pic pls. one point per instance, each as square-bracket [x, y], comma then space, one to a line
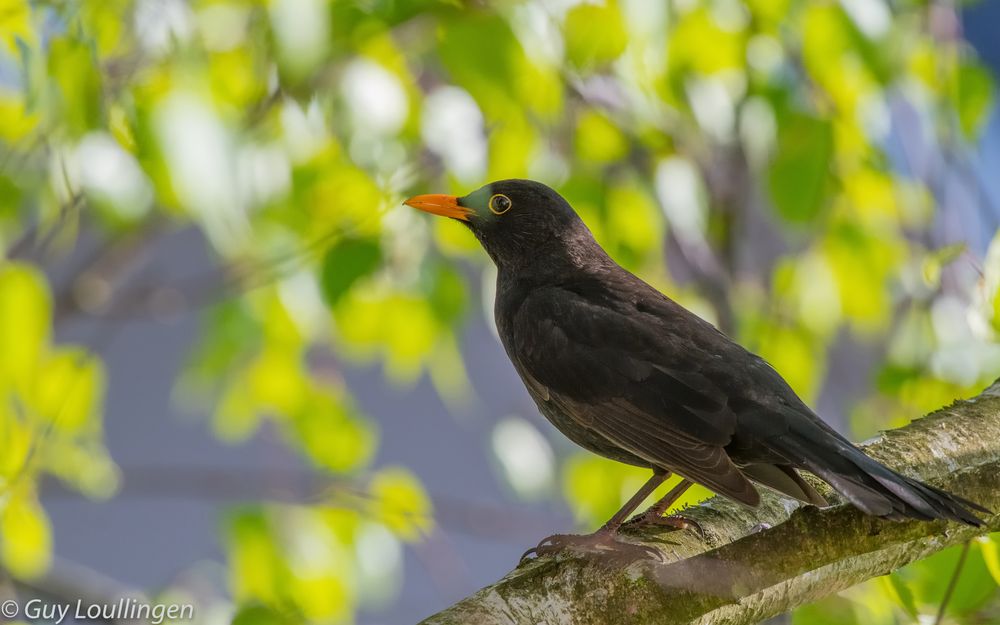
[235, 372]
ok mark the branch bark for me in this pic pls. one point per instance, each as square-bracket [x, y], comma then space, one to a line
[738, 576]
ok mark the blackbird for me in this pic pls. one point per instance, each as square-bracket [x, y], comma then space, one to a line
[627, 373]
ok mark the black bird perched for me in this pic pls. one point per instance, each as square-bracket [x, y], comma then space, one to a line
[627, 373]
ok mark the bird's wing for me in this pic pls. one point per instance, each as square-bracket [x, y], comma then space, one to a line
[630, 381]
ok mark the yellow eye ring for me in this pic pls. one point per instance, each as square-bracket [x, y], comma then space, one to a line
[500, 204]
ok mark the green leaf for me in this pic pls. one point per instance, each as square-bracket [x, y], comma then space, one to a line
[990, 307]
[16, 121]
[254, 560]
[863, 261]
[928, 580]
[990, 548]
[448, 298]
[17, 439]
[595, 35]
[900, 592]
[25, 316]
[833, 610]
[698, 45]
[401, 503]
[15, 23]
[973, 97]
[938, 259]
[67, 391]
[332, 436]
[484, 66]
[345, 263]
[256, 614]
[73, 65]
[799, 172]
[26, 536]
[598, 139]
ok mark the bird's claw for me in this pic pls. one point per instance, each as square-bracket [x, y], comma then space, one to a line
[550, 545]
[673, 521]
[602, 544]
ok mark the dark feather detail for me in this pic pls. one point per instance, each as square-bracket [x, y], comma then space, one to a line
[786, 480]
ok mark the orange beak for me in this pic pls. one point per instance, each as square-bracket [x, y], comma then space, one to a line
[439, 204]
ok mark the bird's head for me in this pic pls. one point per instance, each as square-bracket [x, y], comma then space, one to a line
[513, 219]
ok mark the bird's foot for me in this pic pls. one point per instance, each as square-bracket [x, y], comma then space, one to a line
[652, 518]
[602, 544]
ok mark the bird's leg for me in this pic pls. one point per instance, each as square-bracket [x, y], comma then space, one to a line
[653, 516]
[604, 539]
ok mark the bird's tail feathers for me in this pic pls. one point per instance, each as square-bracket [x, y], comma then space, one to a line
[878, 490]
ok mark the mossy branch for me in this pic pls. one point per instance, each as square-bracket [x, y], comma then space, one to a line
[738, 576]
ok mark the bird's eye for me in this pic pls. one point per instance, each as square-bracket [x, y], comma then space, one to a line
[500, 204]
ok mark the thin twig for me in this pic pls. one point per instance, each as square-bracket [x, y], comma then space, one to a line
[952, 583]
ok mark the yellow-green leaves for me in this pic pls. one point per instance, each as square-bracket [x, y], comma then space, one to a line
[937, 260]
[260, 348]
[16, 119]
[49, 418]
[295, 561]
[798, 177]
[333, 436]
[15, 23]
[894, 587]
[73, 65]
[25, 317]
[409, 332]
[53, 386]
[835, 55]
[988, 299]
[700, 44]
[399, 501]
[482, 55]
[318, 563]
[595, 34]
[990, 547]
[16, 436]
[973, 95]
[862, 262]
[346, 262]
[67, 389]
[634, 225]
[25, 536]
[597, 137]
[928, 581]
[914, 593]
[834, 610]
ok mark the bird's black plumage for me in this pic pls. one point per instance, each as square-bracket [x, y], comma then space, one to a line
[626, 372]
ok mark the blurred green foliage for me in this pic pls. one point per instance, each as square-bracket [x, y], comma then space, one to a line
[288, 131]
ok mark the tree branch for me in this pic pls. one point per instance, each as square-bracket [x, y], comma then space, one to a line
[738, 576]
